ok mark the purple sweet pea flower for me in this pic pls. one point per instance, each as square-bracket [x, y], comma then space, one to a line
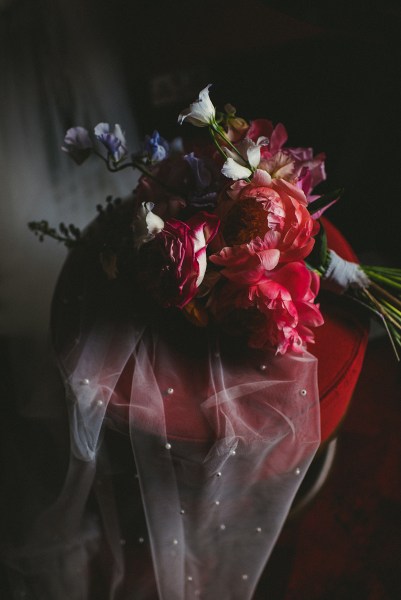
[77, 144]
[202, 175]
[156, 147]
[205, 181]
[114, 141]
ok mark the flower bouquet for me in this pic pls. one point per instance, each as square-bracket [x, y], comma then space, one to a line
[227, 232]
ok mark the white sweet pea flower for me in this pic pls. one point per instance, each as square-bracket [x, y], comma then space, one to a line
[200, 113]
[236, 167]
[147, 224]
[233, 170]
[252, 152]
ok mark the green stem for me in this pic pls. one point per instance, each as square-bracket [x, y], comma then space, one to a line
[391, 308]
[220, 131]
[389, 270]
[216, 143]
[141, 167]
[378, 277]
[212, 131]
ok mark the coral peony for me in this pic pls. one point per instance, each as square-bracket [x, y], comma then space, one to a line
[276, 213]
[276, 311]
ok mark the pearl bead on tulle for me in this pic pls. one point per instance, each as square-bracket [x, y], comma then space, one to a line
[303, 392]
[262, 367]
[170, 391]
[167, 446]
[297, 471]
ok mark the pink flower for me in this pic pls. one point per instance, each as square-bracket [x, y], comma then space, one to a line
[306, 164]
[296, 165]
[246, 264]
[286, 297]
[175, 260]
[275, 214]
[277, 311]
[263, 128]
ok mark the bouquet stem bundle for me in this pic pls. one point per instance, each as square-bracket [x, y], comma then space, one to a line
[382, 297]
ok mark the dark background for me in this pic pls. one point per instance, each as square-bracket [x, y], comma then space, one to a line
[328, 70]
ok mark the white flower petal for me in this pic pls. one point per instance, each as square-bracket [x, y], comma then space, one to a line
[146, 224]
[253, 154]
[201, 112]
[101, 129]
[233, 170]
[118, 132]
[231, 154]
[261, 178]
[154, 223]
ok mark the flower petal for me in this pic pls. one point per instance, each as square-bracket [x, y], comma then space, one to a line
[77, 144]
[253, 154]
[233, 170]
[200, 113]
[114, 141]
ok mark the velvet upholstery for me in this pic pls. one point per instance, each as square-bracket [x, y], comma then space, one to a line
[340, 345]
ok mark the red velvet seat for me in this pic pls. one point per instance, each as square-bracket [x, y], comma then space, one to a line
[340, 345]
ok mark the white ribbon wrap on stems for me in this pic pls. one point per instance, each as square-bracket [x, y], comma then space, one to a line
[342, 274]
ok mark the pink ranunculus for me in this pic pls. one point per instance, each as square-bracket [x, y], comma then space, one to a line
[175, 260]
[251, 211]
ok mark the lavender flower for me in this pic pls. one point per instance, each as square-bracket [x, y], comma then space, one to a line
[114, 141]
[205, 182]
[202, 175]
[156, 147]
[77, 144]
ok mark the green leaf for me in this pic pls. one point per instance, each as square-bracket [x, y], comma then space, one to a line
[325, 200]
[318, 258]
